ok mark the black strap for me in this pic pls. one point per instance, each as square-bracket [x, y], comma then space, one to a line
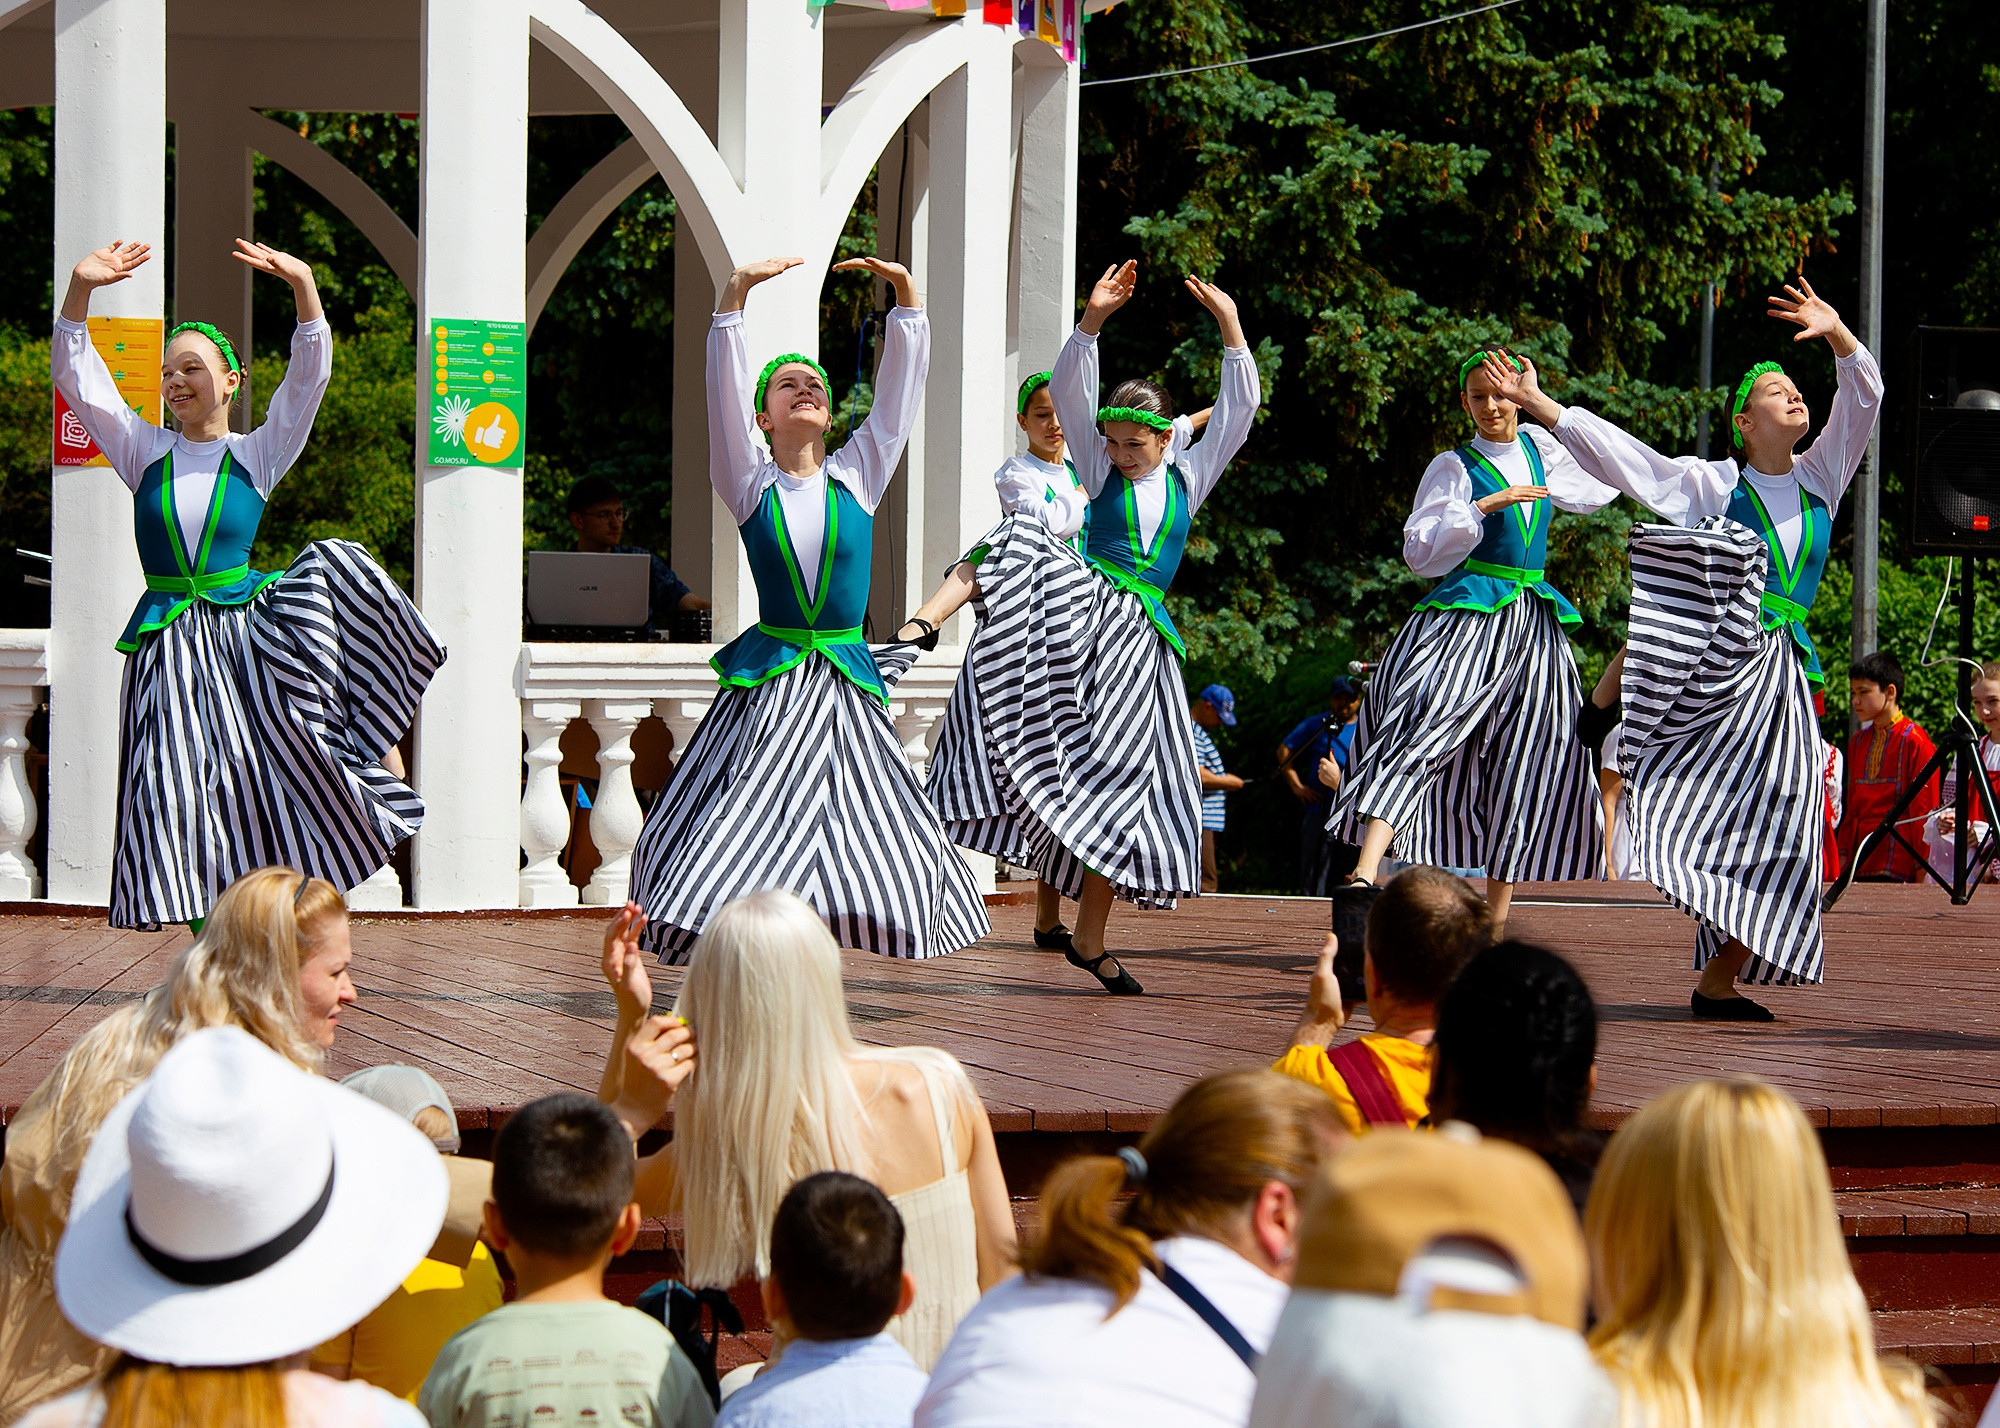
[205, 1273]
[1209, 1315]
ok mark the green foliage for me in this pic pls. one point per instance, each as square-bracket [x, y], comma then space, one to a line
[25, 415]
[27, 215]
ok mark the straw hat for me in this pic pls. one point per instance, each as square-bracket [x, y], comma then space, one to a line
[234, 1209]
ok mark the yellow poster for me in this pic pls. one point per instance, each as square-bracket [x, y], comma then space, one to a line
[130, 347]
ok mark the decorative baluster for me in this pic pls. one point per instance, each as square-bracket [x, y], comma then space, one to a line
[682, 717]
[19, 879]
[915, 722]
[615, 816]
[544, 816]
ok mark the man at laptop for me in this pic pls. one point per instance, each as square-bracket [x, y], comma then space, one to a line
[597, 511]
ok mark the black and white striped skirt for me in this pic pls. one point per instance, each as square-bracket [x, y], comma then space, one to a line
[1720, 751]
[1067, 746]
[800, 783]
[1466, 746]
[250, 735]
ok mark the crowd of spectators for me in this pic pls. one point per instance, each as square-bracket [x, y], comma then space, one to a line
[1415, 1227]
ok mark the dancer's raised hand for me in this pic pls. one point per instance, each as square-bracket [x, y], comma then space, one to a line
[295, 271]
[747, 277]
[894, 274]
[1222, 305]
[1510, 496]
[1515, 380]
[1109, 293]
[1813, 315]
[113, 263]
[625, 964]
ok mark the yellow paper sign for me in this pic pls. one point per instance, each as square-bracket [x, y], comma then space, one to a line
[130, 347]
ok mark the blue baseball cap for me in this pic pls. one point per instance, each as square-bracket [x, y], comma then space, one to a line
[1222, 701]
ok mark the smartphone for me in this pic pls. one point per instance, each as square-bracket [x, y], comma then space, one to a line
[1351, 903]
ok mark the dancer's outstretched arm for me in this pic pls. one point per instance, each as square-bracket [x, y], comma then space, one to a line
[126, 439]
[1073, 386]
[868, 460]
[270, 450]
[1236, 399]
[735, 456]
[1829, 465]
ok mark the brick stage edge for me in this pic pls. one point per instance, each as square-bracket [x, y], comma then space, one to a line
[1897, 1057]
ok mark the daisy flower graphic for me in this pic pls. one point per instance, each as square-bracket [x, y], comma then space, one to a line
[449, 419]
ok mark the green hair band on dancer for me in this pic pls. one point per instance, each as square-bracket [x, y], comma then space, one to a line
[771, 370]
[213, 334]
[1762, 369]
[1478, 358]
[1028, 389]
[1151, 419]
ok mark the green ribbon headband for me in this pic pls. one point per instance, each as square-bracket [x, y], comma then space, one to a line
[213, 334]
[1743, 387]
[1028, 389]
[1151, 419]
[771, 370]
[1465, 367]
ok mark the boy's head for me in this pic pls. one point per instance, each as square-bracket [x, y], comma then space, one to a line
[1875, 686]
[1986, 697]
[562, 1177]
[596, 513]
[837, 1259]
[1426, 924]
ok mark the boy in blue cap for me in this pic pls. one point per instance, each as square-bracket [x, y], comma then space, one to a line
[1214, 705]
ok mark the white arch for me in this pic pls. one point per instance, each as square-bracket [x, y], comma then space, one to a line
[704, 190]
[570, 223]
[12, 10]
[343, 188]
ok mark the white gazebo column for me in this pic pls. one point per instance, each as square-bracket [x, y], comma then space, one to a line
[1044, 257]
[902, 207]
[471, 264]
[213, 202]
[966, 401]
[110, 126]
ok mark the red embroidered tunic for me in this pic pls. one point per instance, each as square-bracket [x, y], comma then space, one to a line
[1880, 765]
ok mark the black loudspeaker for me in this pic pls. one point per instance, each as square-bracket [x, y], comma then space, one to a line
[1955, 435]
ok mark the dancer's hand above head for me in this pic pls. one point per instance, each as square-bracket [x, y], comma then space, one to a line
[659, 1057]
[1813, 316]
[295, 271]
[1515, 380]
[1222, 305]
[113, 263]
[1109, 293]
[625, 965]
[1509, 496]
[747, 277]
[894, 274]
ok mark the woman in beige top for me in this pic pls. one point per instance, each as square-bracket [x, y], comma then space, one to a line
[784, 1090]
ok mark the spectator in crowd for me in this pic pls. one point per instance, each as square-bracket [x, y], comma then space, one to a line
[1313, 758]
[781, 1090]
[211, 1244]
[562, 1352]
[1883, 758]
[1152, 1311]
[1440, 1284]
[1517, 1058]
[1940, 829]
[1214, 705]
[1723, 1288]
[597, 515]
[394, 1347]
[836, 1280]
[1423, 927]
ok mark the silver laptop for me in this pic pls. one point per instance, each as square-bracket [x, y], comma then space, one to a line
[573, 587]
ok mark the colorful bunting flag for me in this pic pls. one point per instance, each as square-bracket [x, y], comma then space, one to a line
[999, 12]
[1047, 28]
[1068, 27]
[947, 9]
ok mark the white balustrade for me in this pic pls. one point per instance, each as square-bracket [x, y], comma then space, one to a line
[615, 815]
[544, 813]
[24, 671]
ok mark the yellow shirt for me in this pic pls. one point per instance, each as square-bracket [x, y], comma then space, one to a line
[1406, 1065]
[394, 1347]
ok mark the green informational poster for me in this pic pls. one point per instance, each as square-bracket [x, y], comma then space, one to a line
[478, 392]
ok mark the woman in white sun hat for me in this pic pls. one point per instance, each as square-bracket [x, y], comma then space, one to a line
[233, 1212]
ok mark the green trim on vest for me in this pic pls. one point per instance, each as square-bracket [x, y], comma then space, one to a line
[1506, 572]
[1489, 586]
[1802, 572]
[173, 581]
[196, 584]
[1149, 596]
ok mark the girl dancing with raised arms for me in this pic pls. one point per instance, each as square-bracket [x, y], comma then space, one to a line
[1720, 749]
[256, 710]
[1067, 746]
[1466, 754]
[796, 778]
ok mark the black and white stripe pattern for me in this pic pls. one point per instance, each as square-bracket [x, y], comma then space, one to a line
[1067, 744]
[1466, 746]
[800, 783]
[1720, 753]
[250, 736]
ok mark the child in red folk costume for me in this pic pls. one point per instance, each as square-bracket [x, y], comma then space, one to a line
[1940, 829]
[1884, 758]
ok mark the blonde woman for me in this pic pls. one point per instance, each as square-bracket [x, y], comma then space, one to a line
[783, 1090]
[1724, 1294]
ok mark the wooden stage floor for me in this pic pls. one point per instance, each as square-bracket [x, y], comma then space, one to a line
[503, 1008]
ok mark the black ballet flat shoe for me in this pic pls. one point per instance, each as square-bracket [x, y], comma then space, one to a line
[1594, 723]
[1728, 1009]
[928, 639]
[1122, 985]
[1055, 940]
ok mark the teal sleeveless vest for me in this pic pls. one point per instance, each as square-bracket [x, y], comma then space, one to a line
[216, 570]
[1511, 551]
[1789, 589]
[791, 627]
[1114, 549]
[1080, 542]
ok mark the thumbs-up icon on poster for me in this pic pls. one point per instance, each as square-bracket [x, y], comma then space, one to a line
[494, 435]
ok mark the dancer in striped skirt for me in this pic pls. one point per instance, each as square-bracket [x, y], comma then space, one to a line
[257, 711]
[1466, 753]
[1720, 750]
[796, 778]
[1066, 746]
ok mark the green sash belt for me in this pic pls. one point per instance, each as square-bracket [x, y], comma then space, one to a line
[1507, 572]
[196, 584]
[1789, 611]
[1149, 596]
[821, 640]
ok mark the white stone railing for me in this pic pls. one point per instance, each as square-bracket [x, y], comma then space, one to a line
[615, 686]
[24, 674]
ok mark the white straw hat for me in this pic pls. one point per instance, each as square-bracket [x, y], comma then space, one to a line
[234, 1209]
